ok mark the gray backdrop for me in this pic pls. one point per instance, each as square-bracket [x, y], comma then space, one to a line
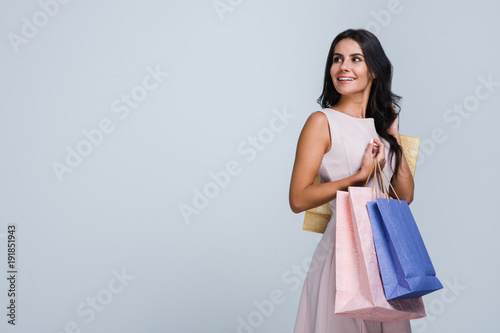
[147, 149]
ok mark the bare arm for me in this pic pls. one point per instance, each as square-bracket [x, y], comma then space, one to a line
[403, 183]
[314, 141]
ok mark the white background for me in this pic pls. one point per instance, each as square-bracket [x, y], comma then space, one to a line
[229, 71]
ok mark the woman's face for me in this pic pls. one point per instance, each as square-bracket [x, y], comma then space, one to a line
[349, 71]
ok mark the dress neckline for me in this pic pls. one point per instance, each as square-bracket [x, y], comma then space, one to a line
[345, 114]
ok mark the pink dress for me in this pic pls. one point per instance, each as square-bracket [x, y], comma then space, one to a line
[350, 136]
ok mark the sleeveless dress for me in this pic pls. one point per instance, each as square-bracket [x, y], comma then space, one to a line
[350, 136]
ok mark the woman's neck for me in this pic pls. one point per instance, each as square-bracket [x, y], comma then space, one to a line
[353, 105]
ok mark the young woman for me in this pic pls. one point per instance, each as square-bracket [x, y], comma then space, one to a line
[359, 121]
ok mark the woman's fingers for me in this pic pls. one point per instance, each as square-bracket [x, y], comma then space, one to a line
[379, 144]
[367, 162]
[379, 151]
[375, 148]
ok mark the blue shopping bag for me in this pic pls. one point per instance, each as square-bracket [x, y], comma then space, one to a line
[405, 265]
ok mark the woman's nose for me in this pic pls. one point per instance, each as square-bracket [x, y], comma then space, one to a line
[344, 66]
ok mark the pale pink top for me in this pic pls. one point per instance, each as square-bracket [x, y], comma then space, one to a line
[350, 137]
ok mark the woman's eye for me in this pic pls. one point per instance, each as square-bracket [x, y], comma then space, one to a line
[356, 59]
[336, 59]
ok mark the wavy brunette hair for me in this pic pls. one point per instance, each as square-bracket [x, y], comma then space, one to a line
[382, 102]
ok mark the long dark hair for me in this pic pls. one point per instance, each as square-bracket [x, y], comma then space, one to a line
[382, 101]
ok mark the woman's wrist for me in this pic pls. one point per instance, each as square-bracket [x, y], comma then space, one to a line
[358, 178]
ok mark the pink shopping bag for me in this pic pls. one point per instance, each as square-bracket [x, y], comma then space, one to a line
[359, 289]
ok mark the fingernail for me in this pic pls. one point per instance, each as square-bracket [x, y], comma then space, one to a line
[371, 140]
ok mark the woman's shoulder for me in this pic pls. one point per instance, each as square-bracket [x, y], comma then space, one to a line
[316, 123]
[316, 131]
[317, 119]
[324, 114]
[319, 114]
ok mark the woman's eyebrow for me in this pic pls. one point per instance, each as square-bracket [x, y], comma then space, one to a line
[352, 55]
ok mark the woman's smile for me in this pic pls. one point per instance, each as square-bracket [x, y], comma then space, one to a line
[343, 79]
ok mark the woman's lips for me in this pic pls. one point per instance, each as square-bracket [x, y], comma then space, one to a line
[345, 79]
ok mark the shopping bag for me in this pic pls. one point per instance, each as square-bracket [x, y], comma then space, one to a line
[359, 291]
[405, 265]
[316, 219]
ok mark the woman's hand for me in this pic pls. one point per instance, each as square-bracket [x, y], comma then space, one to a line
[314, 142]
[375, 149]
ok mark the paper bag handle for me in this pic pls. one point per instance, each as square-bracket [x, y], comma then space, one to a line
[388, 181]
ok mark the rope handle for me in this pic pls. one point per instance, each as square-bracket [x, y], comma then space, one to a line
[380, 180]
[376, 179]
[388, 181]
[373, 170]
